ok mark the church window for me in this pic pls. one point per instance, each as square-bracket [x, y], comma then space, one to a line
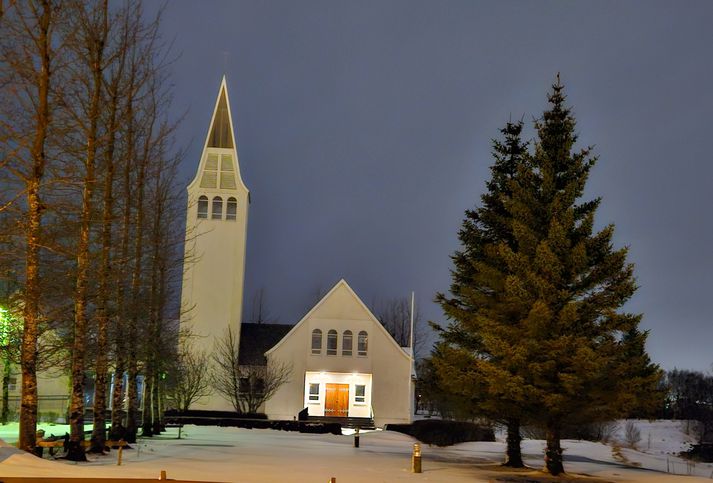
[332, 343]
[231, 209]
[314, 392]
[211, 163]
[359, 393]
[227, 172]
[217, 208]
[210, 173]
[347, 343]
[316, 341]
[362, 343]
[203, 207]
[226, 162]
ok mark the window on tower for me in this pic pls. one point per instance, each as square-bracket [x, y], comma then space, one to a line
[217, 213]
[227, 173]
[231, 209]
[203, 207]
[210, 172]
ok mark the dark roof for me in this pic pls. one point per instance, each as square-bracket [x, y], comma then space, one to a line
[256, 339]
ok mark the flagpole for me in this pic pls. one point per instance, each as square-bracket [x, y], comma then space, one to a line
[410, 342]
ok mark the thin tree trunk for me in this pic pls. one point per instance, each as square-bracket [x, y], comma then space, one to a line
[95, 47]
[134, 304]
[147, 416]
[118, 409]
[155, 405]
[31, 309]
[514, 454]
[553, 452]
[132, 423]
[6, 373]
[158, 427]
[105, 276]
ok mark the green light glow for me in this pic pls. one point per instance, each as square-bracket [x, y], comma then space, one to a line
[5, 319]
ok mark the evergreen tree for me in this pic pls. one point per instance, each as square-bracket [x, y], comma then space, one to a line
[466, 361]
[585, 359]
[535, 332]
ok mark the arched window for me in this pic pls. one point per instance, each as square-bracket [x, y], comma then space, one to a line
[316, 341]
[347, 343]
[332, 343]
[231, 209]
[362, 343]
[203, 207]
[217, 208]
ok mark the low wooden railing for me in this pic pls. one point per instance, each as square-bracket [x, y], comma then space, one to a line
[38, 479]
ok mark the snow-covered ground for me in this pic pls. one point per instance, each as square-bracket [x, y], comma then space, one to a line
[242, 455]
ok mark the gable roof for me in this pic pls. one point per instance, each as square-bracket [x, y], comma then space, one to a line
[343, 284]
[256, 339]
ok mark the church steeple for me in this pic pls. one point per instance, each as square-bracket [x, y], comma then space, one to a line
[216, 238]
[219, 168]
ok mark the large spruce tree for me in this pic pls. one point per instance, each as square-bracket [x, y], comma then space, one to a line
[586, 360]
[466, 359]
[538, 314]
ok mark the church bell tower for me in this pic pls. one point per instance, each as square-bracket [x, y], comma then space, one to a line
[216, 235]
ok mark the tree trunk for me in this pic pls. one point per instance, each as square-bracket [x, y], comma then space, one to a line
[119, 412]
[156, 407]
[147, 418]
[135, 303]
[514, 454]
[6, 373]
[31, 312]
[95, 48]
[105, 276]
[553, 452]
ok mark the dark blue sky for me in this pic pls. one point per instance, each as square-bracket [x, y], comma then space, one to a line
[363, 131]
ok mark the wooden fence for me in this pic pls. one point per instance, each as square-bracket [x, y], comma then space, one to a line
[35, 479]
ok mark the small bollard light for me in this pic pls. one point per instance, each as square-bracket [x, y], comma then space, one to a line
[332, 480]
[118, 456]
[416, 458]
[163, 475]
[356, 438]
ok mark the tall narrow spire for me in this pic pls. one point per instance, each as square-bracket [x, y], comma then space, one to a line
[221, 132]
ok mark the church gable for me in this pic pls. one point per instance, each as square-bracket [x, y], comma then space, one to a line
[341, 303]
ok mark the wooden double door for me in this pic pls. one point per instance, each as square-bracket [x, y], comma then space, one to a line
[336, 401]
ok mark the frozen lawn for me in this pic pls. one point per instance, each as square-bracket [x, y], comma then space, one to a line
[242, 455]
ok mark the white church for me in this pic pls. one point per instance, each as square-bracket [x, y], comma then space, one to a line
[344, 363]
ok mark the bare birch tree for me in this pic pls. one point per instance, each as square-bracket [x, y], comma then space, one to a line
[395, 315]
[89, 46]
[245, 387]
[188, 383]
[28, 59]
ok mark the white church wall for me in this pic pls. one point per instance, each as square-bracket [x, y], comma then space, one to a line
[388, 365]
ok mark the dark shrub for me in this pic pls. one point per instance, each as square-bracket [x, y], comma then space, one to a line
[700, 452]
[196, 413]
[444, 433]
[248, 421]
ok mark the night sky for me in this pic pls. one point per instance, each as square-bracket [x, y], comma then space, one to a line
[363, 131]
